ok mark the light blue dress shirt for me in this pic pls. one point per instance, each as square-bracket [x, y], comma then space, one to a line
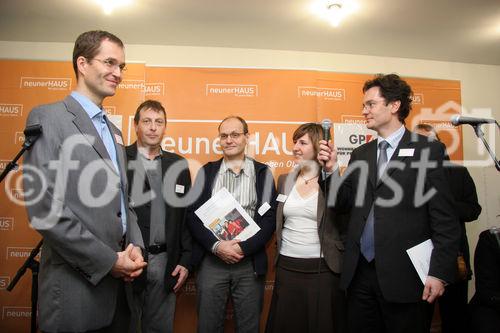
[98, 118]
[393, 141]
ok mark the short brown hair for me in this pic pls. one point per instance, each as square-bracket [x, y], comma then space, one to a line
[241, 120]
[392, 89]
[87, 45]
[147, 105]
[315, 132]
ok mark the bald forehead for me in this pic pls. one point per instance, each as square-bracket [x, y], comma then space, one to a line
[230, 125]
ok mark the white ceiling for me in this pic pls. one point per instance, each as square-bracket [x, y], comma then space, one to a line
[448, 30]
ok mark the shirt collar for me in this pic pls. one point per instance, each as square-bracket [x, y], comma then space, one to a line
[247, 167]
[90, 108]
[394, 138]
[157, 157]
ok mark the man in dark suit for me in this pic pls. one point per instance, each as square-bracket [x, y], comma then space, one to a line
[484, 307]
[398, 197]
[453, 303]
[90, 236]
[159, 181]
[231, 267]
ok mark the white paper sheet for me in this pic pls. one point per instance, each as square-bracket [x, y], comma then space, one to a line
[420, 256]
[225, 217]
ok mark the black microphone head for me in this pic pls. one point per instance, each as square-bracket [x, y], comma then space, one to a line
[33, 130]
[326, 123]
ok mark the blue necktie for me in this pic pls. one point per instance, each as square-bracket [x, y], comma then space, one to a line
[368, 236]
[109, 143]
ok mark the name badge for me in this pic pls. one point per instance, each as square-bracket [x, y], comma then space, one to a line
[119, 139]
[281, 198]
[406, 152]
[264, 208]
[179, 188]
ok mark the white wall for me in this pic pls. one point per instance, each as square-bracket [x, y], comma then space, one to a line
[480, 87]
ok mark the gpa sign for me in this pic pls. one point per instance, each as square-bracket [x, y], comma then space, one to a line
[346, 137]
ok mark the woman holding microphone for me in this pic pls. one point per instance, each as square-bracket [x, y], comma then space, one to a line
[306, 296]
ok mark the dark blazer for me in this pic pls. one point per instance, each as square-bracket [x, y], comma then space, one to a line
[485, 305]
[487, 269]
[404, 224]
[80, 241]
[177, 235]
[331, 234]
[466, 205]
[255, 246]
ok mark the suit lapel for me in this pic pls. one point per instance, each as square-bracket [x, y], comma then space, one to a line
[290, 181]
[84, 124]
[321, 207]
[166, 162]
[284, 188]
[371, 158]
[120, 153]
[133, 155]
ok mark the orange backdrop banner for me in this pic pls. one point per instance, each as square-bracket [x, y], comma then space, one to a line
[274, 102]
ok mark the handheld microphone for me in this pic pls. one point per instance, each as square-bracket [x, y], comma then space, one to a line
[460, 120]
[33, 130]
[326, 124]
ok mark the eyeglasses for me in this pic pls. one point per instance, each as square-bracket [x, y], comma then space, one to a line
[112, 64]
[233, 135]
[370, 104]
[148, 122]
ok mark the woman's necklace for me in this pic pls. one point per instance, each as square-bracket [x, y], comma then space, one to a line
[307, 180]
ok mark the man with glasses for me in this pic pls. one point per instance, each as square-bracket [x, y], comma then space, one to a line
[158, 179]
[232, 267]
[405, 200]
[91, 240]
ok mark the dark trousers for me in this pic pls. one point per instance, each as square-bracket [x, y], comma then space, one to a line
[453, 308]
[216, 281]
[369, 312]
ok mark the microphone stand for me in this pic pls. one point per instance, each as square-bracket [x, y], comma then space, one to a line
[12, 165]
[480, 135]
[30, 262]
[33, 265]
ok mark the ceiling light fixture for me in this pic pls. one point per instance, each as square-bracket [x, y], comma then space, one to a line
[336, 14]
[334, 11]
[109, 5]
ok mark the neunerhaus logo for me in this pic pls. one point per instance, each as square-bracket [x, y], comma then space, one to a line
[332, 94]
[4, 282]
[155, 89]
[6, 223]
[11, 110]
[237, 90]
[16, 312]
[50, 83]
[20, 252]
[132, 85]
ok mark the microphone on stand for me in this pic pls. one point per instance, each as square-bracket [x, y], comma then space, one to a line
[457, 120]
[33, 130]
[31, 134]
[475, 122]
